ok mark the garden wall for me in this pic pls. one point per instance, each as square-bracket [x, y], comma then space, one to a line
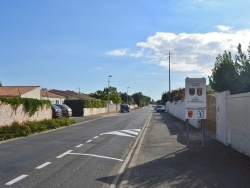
[112, 108]
[8, 115]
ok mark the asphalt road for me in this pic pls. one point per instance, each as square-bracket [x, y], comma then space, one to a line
[84, 155]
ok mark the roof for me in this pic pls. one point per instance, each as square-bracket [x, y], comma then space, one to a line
[15, 91]
[72, 95]
[50, 95]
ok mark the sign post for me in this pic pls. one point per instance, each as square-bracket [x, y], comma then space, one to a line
[195, 102]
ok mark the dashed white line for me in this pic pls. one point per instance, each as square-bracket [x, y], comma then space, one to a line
[60, 156]
[89, 141]
[96, 137]
[79, 145]
[16, 179]
[43, 165]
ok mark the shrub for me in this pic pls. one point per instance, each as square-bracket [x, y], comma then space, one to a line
[28, 127]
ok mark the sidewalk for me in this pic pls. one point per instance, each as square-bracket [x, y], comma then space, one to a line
[163, 160]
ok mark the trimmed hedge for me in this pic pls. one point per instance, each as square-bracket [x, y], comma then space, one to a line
[29, 127]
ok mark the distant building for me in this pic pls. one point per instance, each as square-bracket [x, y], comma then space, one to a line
[54, 98]
[71, 95]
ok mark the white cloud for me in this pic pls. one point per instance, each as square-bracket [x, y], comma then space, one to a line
[192, 52]
[119, 52]
[223, 28]
[125, 52]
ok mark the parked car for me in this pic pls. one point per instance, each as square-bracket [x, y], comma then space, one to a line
[160, 108]
[66, 110]
[125, 108]
[56, 111]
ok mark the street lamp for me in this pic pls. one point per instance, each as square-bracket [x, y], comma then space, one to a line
[108, 90]
[127, 95]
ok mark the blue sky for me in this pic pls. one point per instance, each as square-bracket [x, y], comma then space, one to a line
[66, 45]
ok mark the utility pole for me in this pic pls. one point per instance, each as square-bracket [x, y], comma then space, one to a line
[169, 72]
[108, 90]
[127, 95]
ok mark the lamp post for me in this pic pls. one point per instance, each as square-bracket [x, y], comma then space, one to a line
[108, 90]
[127, 95]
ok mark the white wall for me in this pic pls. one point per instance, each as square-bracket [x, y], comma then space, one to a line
[34, 94]
[53, 100]
[238, 122]
[221, 117]
[178, 110]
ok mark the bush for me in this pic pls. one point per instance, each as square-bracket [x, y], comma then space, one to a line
[29, 127]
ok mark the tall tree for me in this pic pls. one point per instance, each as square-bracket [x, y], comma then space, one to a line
[231, 75]
[224, 74]
[243, 69]
[1, 84]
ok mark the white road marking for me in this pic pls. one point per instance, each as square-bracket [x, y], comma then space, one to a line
[138, 130]
[60, 156]
[96, 137]
[130, 132]
[43, 165]
[117, 133]
[99, 156]
[16, 179]
[79, 145]
[89, 141]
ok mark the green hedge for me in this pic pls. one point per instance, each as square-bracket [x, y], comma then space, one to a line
[29, 127]
[78, 105]
[30, 106]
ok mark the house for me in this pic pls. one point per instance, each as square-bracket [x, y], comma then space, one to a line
[54, 98]
[71, 95]
[32, 92]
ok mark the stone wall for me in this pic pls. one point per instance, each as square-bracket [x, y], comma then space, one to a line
[8, 115]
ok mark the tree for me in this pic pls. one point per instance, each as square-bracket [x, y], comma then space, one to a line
[223, 74]
[231, 75]
[140, 99]
[243, 69]
[124, 98]
[175, 95]
[1, 84]
[103, 95]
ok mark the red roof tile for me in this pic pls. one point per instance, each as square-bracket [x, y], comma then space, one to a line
[15, 91]
[50, 95]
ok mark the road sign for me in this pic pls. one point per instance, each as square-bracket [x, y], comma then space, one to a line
[195, 94]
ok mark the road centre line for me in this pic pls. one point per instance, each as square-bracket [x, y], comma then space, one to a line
[62, 155]
[16, 179]
[43, 165]
[99, 156]
[89, 141]
[79, 145]
[96, 137]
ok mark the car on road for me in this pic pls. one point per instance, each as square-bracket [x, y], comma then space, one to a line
[160, 108]
[56, 111]
[125, 108]
[66, 110]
